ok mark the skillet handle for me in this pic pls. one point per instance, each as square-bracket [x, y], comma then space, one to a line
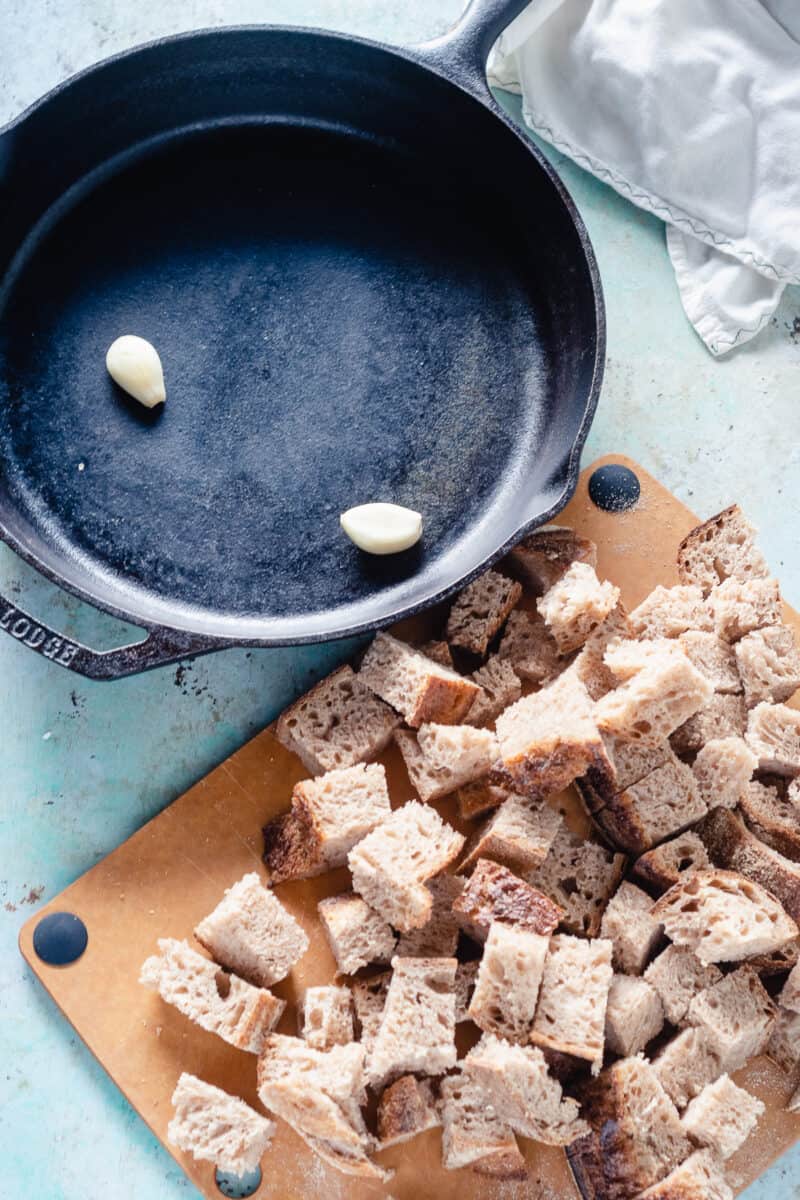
[159, 647]
[463, 50]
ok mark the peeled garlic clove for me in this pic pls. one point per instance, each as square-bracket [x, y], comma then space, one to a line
[382, 528]
[134, 364]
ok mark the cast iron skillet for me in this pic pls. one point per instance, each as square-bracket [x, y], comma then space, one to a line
[364, 284]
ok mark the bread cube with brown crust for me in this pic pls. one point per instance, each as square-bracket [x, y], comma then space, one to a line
[576, 605]
[589, 664]
[338, 723]
[438, 651]
[518, 835]
[500, 687]
[723, 769]
[659, 689]
[369, 1000]
[420, 689]
[714, 658]
[773, 734]
[772, 817]
[678, 976]
[783, 1046]
[406, 1108]
[768, 662]
[626, 763]
[479, 612]
[548, 739]
[441, 758]
[669, 612]
[722, 716]
[699, 1177]
[739, 608]
[479, 798]
[722, 547]
[629, 926]
[789, 995]
[634, 1015]
[438, 937]
[493, 893]
[737, 1015]
[357, 934]
[570, 1015]
[530, 648]
[730, 844]
[507, 984]
[579, 877]
[663, 803]
[662, 867]
[687, 1064]
[542, 557]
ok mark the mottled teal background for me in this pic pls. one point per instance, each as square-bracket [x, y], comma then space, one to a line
[85, 764]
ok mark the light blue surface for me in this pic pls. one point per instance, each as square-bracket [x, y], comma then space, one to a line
[85, 764]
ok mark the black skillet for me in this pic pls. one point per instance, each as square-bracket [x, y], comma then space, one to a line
[364, 283]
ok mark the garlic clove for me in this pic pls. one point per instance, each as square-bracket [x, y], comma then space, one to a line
[134, 364]
[382, 528]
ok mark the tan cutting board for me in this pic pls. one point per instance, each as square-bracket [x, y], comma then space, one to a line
[173, 871]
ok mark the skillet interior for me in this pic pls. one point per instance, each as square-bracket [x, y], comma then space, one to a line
[362, 287]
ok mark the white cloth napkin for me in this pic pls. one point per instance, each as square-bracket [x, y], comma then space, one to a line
[690, 109]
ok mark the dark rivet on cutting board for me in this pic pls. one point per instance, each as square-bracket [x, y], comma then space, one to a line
[238, 1186]
[60, 938]
[614, 488]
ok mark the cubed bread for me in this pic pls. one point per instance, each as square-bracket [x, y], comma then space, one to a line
[722, 1117]
[777, 962]
[466, 977]
[522, 1092]
[438, 651]
[472, 1132]
[338, 1072]
[507, 985]
[239, 1013]
[548, 739]
[579, 877]
[479, 798]
[251, 933]
[722, 916]
[663, 866]
[738, 608]
[542, 557]
[479, 612]
[493, 893]
[391, 864]
[678, 976]
[659, 689]
[417, 1030]
[518, 835]
[631, 929]
[773, 734]
[773, 818]
[722, 716]
[528, 645]
[634, 1015]
[722, 547]
[500, 687]
[338, 723]
[737, 1016]
[570, 1016]
[768, 661]
[723, 769]
[369, 999]
[699, 1177]
[416, 686]
[326, 1017]
[686, 1064]
[406, 1109]
[441, 758]
[215, 1127]
[329, 814]
[789, 995]
[589, 664]
[438, 937]
[783, 1046]
[625, 764]
[636, 1136]
[665, 802]
[356, 933]
[730, 844]
[714, 658]
[669, 612]
[575, 605]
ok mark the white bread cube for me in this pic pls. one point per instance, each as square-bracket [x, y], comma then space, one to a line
[441, 758]
[543, 556]
[570, 1016]
[507, 985]
[665, 802]
[500, 687]
[723, 917]
[589, 665]
[239, 1013]
[722, 547]
[471, 1130]
[699, 1177]
[493, 893]
[215, 1127]
[678, 976]
[686, 1064]
[417, 1030]
[659, 690]
[575, 605]
[480, 611]
[356, 933]
[723, 769]
[579, 877]
[626, 763]
[528, 645]
[406, 1108]
[629, 926]
[714, 658]
[338, 723]
[669, 612]
[326, 1017]
[736, 1014]
[721, 716]
[438, 937]
[519, 835]
[768, 661]
[390, 865]
[416, 686]
[663, 866]
[251, 933]
[634, 1015]
[738, 608]
[522, 1092]
[722, 1117]
[773, 734]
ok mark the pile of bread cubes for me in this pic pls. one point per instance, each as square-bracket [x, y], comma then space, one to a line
[613, 982]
